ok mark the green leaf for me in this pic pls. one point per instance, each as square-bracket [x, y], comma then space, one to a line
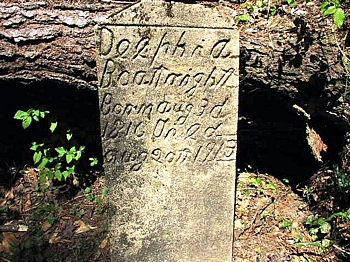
[37, 157]
[260, 4]
[273, 10]
[316, 244]
[20, 115]
[339, 17]
[53, 126]
[79, 153]
[58, 166]
[26, 122]
[69, 157]
[42, 177]
[49, 174]
[326, 242]
[105, 191]
[324, 5]
[325, 228]
[339, 214]
[35, 146]
[58, 175]
[330, 10]
[43, 163]
[291, 3]
[87, 190]
[61, 151]
[240, 18]
[314, 221]
[93, 161]
[69, 135]
[314, 230]
[71, 170]
[42, 113]
[36, 118]
[65, 174]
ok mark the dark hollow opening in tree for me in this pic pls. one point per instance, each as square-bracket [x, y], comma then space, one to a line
[76, 110]
[273, 136]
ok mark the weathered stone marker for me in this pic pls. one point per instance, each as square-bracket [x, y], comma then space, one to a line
[168, 90]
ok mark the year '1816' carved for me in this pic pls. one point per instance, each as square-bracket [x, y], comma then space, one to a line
[168, 101]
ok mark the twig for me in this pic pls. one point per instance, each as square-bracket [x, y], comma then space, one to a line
[259, 212]
[341, 51]
[13, 228]
[342, 250]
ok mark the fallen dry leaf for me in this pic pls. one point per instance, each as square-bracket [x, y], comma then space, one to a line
[45, 226]
[8, 238]
[104, 243]
[82, 227]
[54, 238]
[9, 195]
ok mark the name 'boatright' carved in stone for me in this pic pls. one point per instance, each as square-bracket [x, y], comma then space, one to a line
[168, 91]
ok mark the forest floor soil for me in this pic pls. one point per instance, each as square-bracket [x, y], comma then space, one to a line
[70, 223]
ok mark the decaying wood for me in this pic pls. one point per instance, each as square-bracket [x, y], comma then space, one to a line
[55, 42]
[301, 60]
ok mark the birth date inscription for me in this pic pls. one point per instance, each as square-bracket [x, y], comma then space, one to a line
[168, 101]
[166, 86]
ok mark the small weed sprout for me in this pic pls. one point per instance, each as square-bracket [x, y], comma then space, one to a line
[321, 229]
[286, 224]
[53, 162]
[335, 8]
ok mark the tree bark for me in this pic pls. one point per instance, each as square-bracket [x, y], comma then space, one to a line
[297, 55]
[47, 41]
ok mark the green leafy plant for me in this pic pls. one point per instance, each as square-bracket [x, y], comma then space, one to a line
[89, 194]
[307, 193]
[286, 224]
[93, 161]
[54, 162]
[321, 229]
[292, 3]
[27, 116]
[342, 178]
[263, 184]
[258, 252]
[241, 18]
[318, 225]
[335, 8]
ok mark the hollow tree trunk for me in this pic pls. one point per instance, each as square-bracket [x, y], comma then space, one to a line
[290, 54]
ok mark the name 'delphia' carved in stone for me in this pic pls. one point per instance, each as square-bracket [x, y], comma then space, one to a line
[171, 47]
[169, 62]
[168, 103]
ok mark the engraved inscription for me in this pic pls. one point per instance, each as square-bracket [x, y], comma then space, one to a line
[168, 61]
[176, 45]
[163, 119]
[222, 150]
[168, 108]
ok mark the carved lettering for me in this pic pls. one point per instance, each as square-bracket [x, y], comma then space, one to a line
[106, 41]
[122, 48]
[160, 127]
[108, 69]
[141, 47]
[167, 100]
[219, 49]
[193, 117]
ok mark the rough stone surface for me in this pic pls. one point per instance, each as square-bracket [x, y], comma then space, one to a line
[168, 90]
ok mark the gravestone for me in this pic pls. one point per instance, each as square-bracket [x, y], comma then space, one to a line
[168, 92]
